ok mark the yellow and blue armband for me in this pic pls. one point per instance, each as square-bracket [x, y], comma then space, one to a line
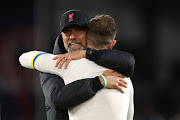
[34, 59]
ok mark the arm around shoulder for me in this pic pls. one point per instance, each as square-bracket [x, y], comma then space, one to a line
[120, 61]
[63, 96]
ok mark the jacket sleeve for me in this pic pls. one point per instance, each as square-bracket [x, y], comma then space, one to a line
[63, 96]
[120, 61]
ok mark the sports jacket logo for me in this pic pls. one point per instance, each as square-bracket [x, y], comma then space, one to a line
[70, 17]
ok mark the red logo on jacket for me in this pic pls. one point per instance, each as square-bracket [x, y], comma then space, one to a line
[70, 17]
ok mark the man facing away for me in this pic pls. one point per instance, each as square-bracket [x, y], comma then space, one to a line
[106, 104]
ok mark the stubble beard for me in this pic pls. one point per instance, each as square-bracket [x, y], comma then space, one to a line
[76, 49]
[71, 49]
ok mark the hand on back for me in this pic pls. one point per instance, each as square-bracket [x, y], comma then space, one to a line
[67, 57]
[114, 80]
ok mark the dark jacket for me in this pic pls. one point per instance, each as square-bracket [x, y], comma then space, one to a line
[58, 96]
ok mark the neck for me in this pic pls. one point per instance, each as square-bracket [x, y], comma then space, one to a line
[91, 46]
[95, 47]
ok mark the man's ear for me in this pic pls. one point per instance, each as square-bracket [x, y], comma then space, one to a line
[112, 44]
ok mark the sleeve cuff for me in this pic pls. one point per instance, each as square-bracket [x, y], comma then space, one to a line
[96, 84]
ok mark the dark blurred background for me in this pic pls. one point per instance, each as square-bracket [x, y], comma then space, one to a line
[150, 30]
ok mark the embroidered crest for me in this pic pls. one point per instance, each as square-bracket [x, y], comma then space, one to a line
[70, 17]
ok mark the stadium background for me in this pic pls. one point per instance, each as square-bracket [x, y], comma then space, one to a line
[150, 30]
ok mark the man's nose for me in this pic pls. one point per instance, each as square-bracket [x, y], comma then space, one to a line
[73, 36]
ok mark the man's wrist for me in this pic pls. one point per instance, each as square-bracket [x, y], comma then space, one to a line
[96, 83]
[101, 80]
[89, 52]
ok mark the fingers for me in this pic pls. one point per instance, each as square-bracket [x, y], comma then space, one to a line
[56, 57]
[110, 70]
[120, 89]
[122, 84]
[67, 63]
[122, 80]
[113, 73]
[61, 59]
[61, 63]
[118, 74]
[68, 57]
[114, 82]
[58, 61]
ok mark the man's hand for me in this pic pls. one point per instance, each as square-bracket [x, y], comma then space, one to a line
[114, 80]
[66, 58]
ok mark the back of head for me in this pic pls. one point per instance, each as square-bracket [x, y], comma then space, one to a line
[101, 31]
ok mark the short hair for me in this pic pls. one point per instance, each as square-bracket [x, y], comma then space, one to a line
[101, 31]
